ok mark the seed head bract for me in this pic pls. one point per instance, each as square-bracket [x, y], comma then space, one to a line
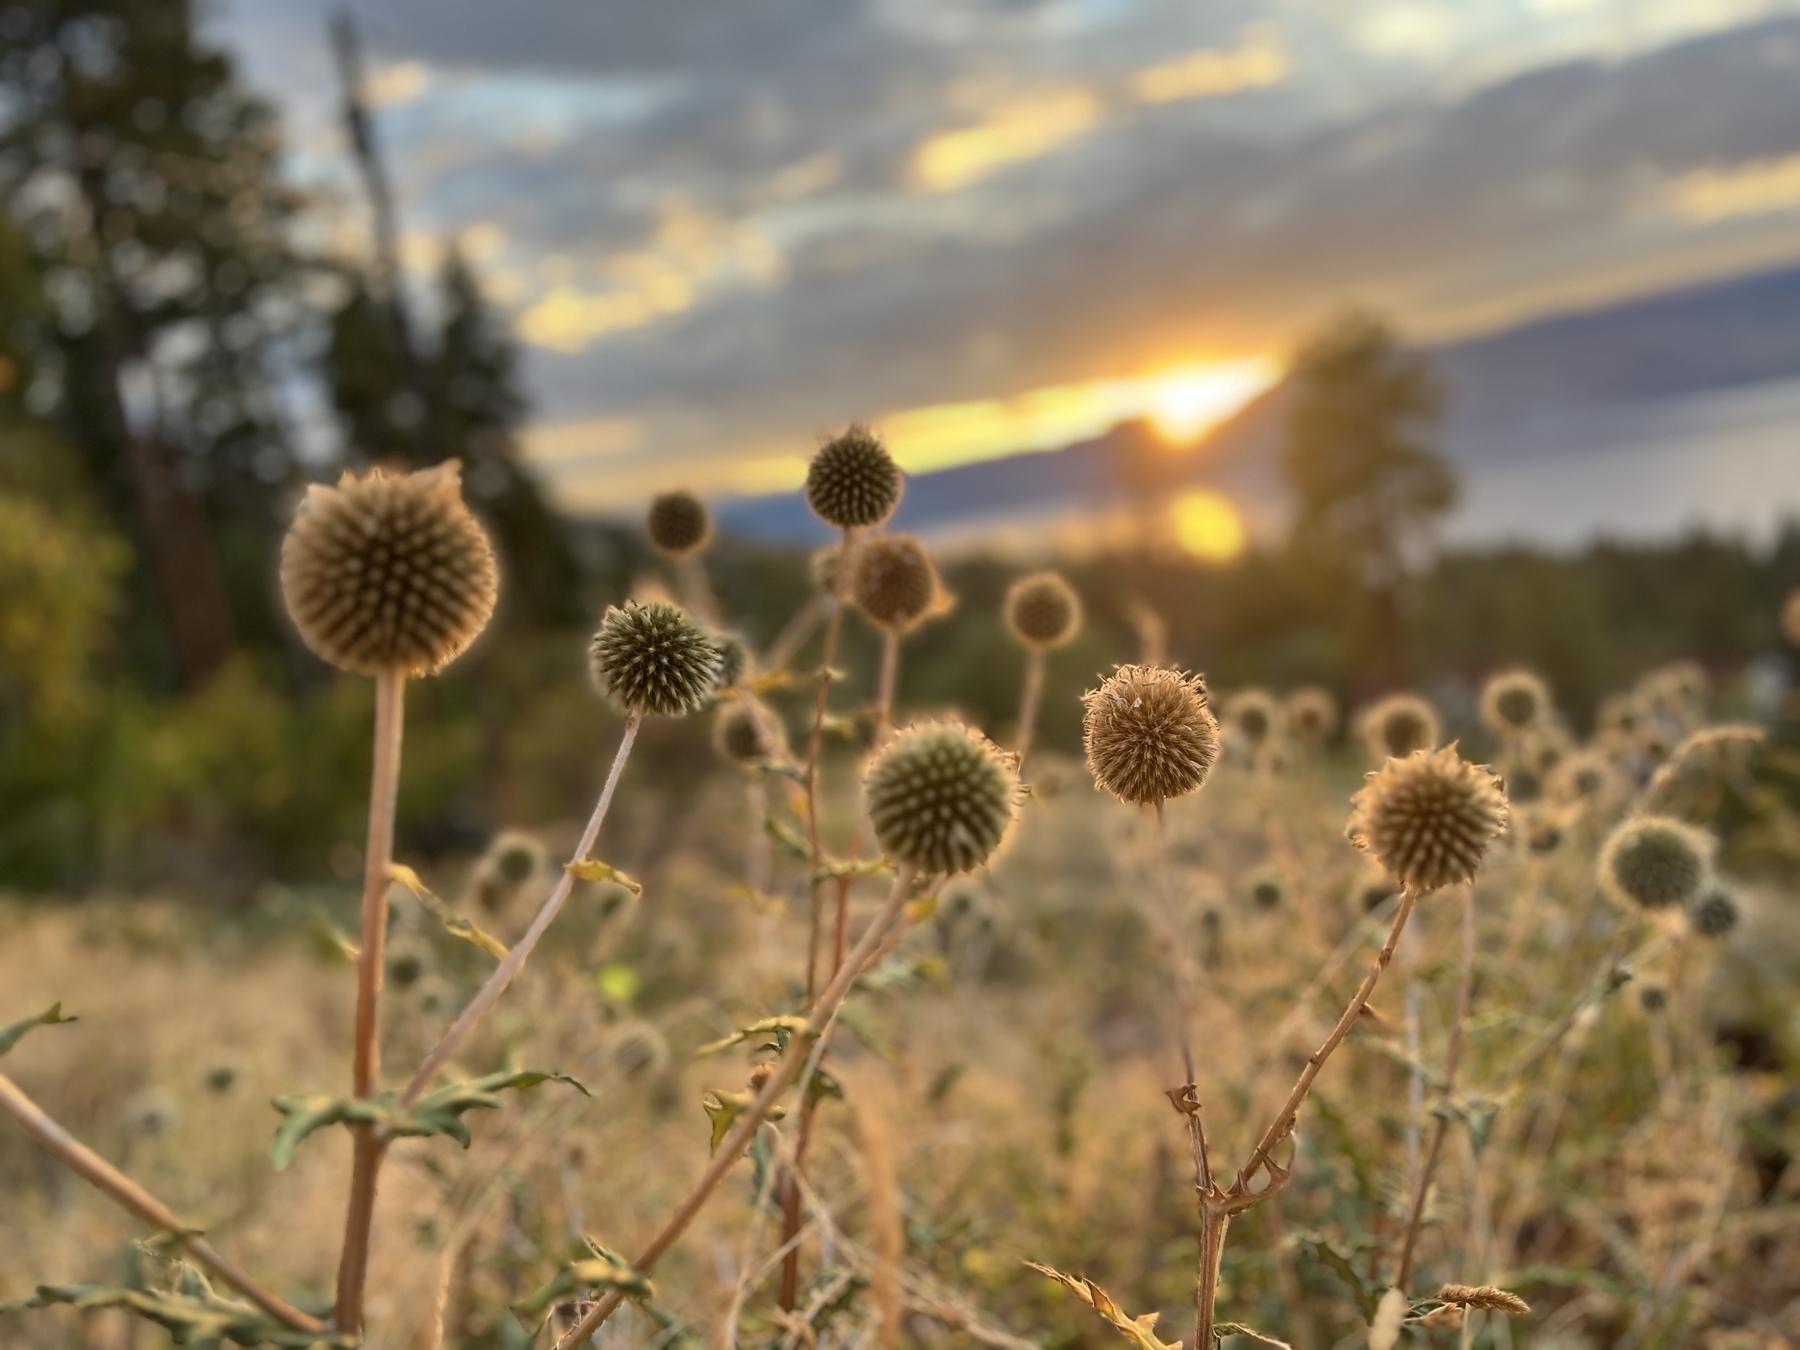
[941, 797]
[1149, 734]
[1428, 818]
[653, 658]
[388, 572]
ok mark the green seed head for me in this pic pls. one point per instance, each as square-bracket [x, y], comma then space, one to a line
[853, 480]
[893, 582]
[941, 797]
[1428, 818]
[1655, 862]
[678, 524]
[654, 659]
[1043, 611]
[389, 572]
[1149, 734]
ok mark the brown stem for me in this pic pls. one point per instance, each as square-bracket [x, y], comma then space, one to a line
[1286, 1118]
[696, 590]
[1029, 699]
[503, 974]
[890, 677]
[1415, 1218]
[814, 741]
[790, 1209]
[793, 637]
[128, 1195]
[353, 1265]
[1184, 994]
[1213, 1223]
[732, 1148]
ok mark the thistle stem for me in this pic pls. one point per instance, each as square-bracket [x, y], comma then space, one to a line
[1213, 1223]
[128, 1195]
[353, 1264]
[1178, 971]
[1415, 1218]
[696, 590]
[731, 1148]
[890, 678]
[503, 974]
[1029, 699]
[834, 627]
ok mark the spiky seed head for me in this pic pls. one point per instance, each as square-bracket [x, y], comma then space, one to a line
[1513, 702]
[853, 481]
[389, 572]
[1790, 618]
[1655, 862]
[1584, 776]
[1311, 714]
[654, 659]
[1042, 610]
[1715, 913]
[735, 660]
[941, 797]
[1702, 769]
[1399, 725]
[1253, 714]
[678, 524]
[893, 582]
[739, 739]
[1149, 734]
[1428, 818]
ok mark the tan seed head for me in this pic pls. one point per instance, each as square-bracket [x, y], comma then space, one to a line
[1399, 725]
[1428, 818]
[1043, 611]
[893, 582]
[1149, 734]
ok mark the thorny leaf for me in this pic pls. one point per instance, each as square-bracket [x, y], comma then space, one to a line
[454, 924]
[191, 1311]
[782, 1029]
[1139, 1330]
[592, 869]
[592, 1268]
[724, 1109]
[50, 1017]
[435, 1113]
[1255, 1337]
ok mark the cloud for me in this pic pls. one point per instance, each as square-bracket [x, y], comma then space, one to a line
[1023, 130]
[1754, 189]
[1211, 73]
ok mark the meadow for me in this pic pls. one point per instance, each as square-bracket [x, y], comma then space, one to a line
[1039, 1033]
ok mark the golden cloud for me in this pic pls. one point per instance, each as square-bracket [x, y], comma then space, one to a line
[1024, 129]
[1757, 188]
[1211, 73]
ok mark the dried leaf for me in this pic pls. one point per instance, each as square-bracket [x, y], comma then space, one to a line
[435, 1113]
[454, 924]
[782, 1029]
[1485, 1296]
[592, 1269]
[50, 1017]
[1255, 1337]
[331, 940]
[1139, 1330]
[724, 1109]
[459, 927]
[839, 868]
[592, 869]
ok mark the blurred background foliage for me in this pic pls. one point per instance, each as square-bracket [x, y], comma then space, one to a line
[160, 726]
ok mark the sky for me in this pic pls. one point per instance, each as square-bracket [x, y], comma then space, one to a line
[722, 229]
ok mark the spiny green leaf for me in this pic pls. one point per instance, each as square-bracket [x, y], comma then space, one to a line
[435, 1113]
[783, 1029]
[50, 1017]
[592, 869]
[593, 1267]
[724, 1109]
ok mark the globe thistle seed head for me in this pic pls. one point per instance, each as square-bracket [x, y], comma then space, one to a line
[1694, 779]
[941, 797]
[893, 582]
[735, 660]
[1715, 913]
[1428, 818]
[853, 481]
[1655, 862]
[1513, 702]
[1311, 715]
[739, 739]
[1523, 784]
[515, 858]
[654, 659]
[1681, 688]
[1586, 775]
[1253, 715]
[1399, 725]
[1790, 618]
[1619, 716]
[1043, 611]
[1149, 734]
[678, 524]
[388, 572]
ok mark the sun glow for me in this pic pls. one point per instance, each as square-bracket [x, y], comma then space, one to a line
[1207, 525]
[1185, 403]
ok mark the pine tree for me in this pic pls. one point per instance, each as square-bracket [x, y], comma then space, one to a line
[143, 176]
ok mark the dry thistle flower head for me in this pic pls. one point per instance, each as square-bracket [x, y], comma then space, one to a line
[1149, 734]
[893, 582]
[1043, 611]
[388, 572]
[1584, 776]
[853, 481]
[1252, 713]
[739, 739]
[1399, 725]
[1484, 1296]
[1513, 702]
[1790, 618]
[1715, 913]
[1311, 714]
[678, 524]
[654, 659]
[1428, 818]
[1655, 862]
[941, 797]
